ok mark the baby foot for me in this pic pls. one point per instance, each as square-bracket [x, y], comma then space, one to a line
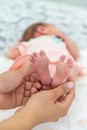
[40, 63]
[63, 69]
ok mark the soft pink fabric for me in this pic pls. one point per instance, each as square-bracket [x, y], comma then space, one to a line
[52, 49]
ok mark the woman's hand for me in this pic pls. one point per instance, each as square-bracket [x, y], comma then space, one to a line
[45, 106]
[42, 107]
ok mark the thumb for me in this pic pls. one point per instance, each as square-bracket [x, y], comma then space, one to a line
[62, 89]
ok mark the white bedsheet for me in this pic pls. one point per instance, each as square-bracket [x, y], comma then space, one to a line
[5, 63]
[76, 118]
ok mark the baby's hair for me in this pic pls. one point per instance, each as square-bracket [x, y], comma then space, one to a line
[30, 31]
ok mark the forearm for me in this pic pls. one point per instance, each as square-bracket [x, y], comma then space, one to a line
[24, 120]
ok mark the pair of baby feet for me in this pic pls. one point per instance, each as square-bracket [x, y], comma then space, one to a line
[36, 67]
[40, 63]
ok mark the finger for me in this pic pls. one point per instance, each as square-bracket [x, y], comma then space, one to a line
[66, 102]
[35, 55]
[66, 59]
[28, 85]
[19, 94]
[27, 93]
[33, 90]
[37, 85]
[46, 87]
[42, 53]
[62, 58]
[25, 100]
[69, 98]
[32, 79]
[32, 59]
[62, 89]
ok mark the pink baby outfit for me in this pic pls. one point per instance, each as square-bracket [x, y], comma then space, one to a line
[53, 49]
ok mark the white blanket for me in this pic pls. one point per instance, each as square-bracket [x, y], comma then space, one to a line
[5, 64]
[76, 119]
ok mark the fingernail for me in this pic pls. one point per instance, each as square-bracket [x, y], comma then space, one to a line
[71, 85]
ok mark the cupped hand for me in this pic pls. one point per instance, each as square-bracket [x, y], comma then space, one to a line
[45, 105]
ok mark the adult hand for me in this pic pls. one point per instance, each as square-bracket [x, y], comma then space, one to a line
[42, 107]
[17, 97]
[16, 87]
[45, 105]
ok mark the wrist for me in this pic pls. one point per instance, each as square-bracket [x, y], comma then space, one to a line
[30, 118]
[24, 120]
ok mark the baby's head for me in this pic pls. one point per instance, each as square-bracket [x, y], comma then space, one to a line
[38, 29]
